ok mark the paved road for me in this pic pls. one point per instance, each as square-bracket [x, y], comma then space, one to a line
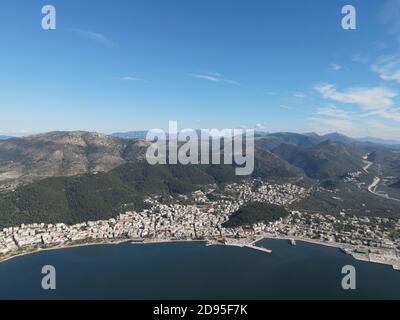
[374, 185]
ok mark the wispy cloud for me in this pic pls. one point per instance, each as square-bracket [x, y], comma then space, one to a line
[355, 127]
[328, 124]
[383, 130]
[390, 15]
[130, 78]
[260, 126]
[388, 67]
[333, 119]
[336, 67]
[334, 112]
[213, 77]
[368, 98]
[390, 114]
[361, 58]
[377, 101]
[299, 95]
[95, 37]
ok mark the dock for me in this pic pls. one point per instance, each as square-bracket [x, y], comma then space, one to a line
[258, 248]
[241, 245]
[257, 240]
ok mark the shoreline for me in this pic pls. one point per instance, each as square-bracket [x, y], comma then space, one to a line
[250, 245]
[60, 247]
[91, 244]
[358, 257]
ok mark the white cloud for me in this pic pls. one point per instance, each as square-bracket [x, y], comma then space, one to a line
[368, 98]
[299, 95]
[361, 58]
[205, 77]
[389, 114]
[333, 119]
[388, 68]
[334, 112]
[214, 77]
[390, 15]
[260, 126]
[384, 131]
[336, 67]
[375, 101]
[358, 129]
[130, 78]
[96, 37]
[325, 125]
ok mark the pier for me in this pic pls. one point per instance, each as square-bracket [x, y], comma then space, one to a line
[258, 248]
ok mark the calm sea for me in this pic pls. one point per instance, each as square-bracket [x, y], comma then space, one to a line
[194, 271]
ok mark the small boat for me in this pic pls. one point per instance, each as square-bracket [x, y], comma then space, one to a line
[293, 242]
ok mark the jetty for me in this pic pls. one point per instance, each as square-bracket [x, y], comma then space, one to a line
[258, 248]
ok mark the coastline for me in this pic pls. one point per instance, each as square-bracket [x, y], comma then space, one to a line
[250, 245]
[61, 247]
[358, 257]
[90, 244]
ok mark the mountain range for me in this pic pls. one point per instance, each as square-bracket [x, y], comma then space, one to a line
[78, 176]
[54, 154]
[259, 134]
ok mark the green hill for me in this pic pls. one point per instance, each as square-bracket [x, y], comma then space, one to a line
[69, 200]
[325, 161]
[100, 196]
[256, 212]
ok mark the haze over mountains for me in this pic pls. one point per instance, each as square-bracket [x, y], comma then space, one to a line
[331, 136]
[78, 176]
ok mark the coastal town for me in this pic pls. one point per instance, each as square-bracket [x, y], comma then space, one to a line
[201, 215]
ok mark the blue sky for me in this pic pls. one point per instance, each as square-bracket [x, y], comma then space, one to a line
[118, 65]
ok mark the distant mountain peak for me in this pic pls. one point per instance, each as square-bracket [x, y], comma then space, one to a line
[2, 137]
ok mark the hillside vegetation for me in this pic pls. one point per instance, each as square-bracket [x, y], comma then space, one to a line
[104, 195]
[79, 176]
[256, 212]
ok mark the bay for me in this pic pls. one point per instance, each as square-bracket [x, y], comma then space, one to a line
[194, 271]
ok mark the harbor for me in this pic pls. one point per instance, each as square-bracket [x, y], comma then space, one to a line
[191, 270]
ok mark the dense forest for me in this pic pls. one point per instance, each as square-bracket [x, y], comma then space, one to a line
[100, 196]
[256, 212]
[104, 195]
